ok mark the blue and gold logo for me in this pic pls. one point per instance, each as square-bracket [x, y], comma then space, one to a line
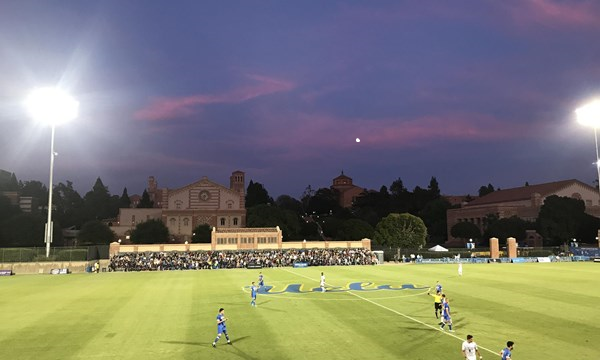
[355, 286]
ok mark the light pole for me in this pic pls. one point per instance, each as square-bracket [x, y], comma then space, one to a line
[589, 115]
[52, 107]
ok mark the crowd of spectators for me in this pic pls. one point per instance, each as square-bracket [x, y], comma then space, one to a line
[196, 260]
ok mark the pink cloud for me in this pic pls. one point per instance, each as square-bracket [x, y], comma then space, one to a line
[169, 108]
[553, 13]
[318, 133]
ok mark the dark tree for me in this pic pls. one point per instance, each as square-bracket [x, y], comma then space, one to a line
[509, 227]
[145, 202]
[202, 234]
[401, 230]
[124, 200]
[484, 190]
[69, 206]
[355, 229]
[7, 209]
[465, 230]
[434, 217]
[559, 219]
[434, 188]
[265, 215]
[27, 230]
[286, 202]
[95, 232]
[256, 194]
[150, 232]
[98, 202]
[325, 201]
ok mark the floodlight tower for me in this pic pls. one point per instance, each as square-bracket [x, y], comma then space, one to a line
[52, 107]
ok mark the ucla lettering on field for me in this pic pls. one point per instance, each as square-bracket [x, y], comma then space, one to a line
[355, 286]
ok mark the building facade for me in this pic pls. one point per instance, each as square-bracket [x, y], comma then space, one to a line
[183, 209]
[524, 202]
[347, 190]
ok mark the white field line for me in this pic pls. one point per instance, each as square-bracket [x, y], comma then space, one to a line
[399, 313]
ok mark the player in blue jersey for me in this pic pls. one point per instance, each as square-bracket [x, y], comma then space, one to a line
[253, 291]
[507, 352]
[438, 287]
[261, 280]
[221, 327]
[446, 317]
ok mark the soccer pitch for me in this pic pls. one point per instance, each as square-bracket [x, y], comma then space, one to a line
[548, 310]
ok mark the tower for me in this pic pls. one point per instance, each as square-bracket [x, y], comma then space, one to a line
[237, 183]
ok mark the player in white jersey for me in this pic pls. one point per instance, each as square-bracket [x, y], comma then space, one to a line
[322, 282]
[459, 269]
[470, 350]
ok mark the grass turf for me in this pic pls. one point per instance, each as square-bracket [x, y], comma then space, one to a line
[549, 310]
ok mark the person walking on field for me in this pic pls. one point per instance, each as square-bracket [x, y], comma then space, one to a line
[322, 282]
[507, 352]
[470, 350]
[221, 327]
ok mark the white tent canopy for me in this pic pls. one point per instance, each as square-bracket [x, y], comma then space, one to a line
[438, 248]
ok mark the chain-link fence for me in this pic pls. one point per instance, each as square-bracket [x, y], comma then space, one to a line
[38, 254]
[404, 254]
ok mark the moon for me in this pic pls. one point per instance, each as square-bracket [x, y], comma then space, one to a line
[357, 140]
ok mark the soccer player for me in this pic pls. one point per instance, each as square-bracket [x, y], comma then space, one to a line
[446, 317]
[506, 353]
[438, 287]
[253, 291]
[437, 303]
[322, 282]
[221, 327]
[459, 269]
[261, 280]
[470, 350]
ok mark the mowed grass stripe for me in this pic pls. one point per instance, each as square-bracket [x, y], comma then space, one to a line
[171, 315]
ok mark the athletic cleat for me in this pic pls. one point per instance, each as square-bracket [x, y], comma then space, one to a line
[214, 345]
[229, 343]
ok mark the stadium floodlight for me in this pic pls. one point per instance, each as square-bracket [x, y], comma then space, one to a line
[52, 107]
[589, 115]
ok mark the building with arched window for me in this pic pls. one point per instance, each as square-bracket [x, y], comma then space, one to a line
[183, 209]
[524, 202]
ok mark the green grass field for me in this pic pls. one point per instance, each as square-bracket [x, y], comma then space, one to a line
[549, 310]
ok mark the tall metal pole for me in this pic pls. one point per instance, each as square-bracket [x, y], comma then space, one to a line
[48, 236]
[597, 155]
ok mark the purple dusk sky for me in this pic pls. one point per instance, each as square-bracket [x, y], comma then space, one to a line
[471, 92]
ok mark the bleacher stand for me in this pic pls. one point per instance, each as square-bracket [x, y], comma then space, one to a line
[197, 260]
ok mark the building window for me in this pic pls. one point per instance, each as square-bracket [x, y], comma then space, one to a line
[222, 221]
[186, 221]
[172, 222]
[178, 204]
[235, 221]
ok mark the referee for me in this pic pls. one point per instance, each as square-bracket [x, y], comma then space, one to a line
[437, 303]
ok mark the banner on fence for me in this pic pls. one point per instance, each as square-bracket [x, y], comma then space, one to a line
[59, 271]
[300, 265]
[253, 266]
[6, 272]
[543, 259]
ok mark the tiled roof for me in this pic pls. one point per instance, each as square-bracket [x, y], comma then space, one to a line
[525, 192]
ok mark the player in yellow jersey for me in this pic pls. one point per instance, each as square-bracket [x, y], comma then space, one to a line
[437, 303]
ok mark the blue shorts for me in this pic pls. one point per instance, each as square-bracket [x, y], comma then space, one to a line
[261, 283]
[221, 329]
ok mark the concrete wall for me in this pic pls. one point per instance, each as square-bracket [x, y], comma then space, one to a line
[45, 267]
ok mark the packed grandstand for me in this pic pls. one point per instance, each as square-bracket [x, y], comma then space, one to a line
[196, 260]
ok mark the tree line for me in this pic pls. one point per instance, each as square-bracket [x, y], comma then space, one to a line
[394, 216]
